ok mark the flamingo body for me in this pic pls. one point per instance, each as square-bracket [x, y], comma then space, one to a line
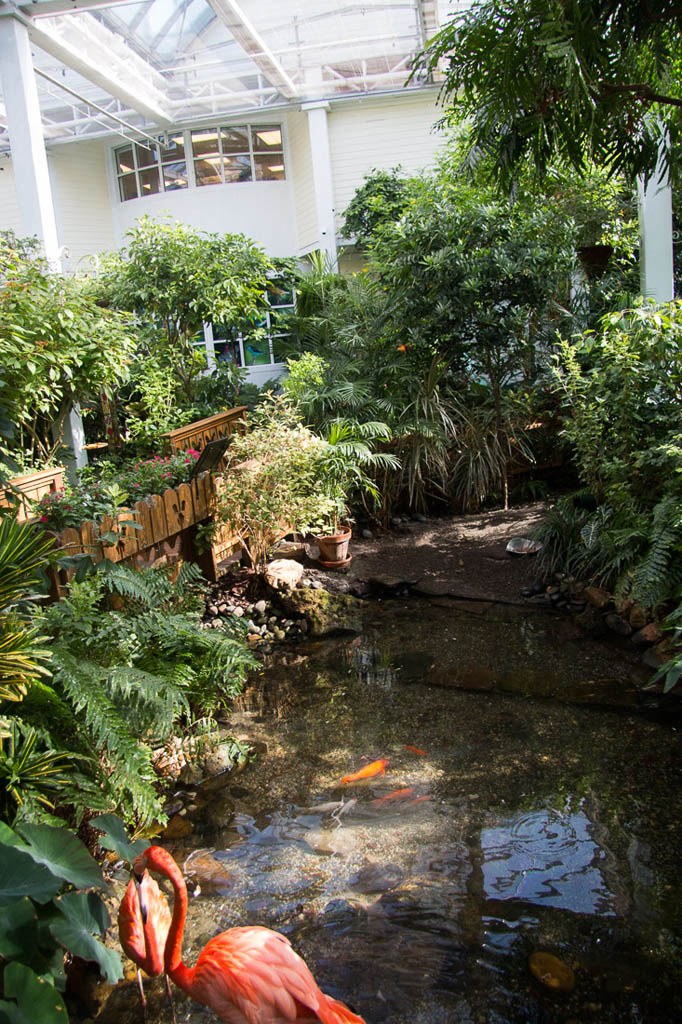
[245, 975]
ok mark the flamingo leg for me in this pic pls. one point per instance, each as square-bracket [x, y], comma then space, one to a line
[170, 999]
[143, 998]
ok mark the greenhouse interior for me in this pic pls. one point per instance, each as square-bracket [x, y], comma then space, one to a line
[340, 511]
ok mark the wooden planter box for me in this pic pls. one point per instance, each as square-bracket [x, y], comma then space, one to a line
[168, 530]
[195, 436]
[33, 487]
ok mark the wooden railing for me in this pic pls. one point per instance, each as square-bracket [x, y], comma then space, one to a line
[33, 487]
[195, 436]
[166, 531]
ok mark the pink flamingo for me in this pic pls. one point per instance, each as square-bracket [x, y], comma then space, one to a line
[245, 975]
[143, 933]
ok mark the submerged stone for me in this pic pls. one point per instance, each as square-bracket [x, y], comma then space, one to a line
[324, 612]
[551, 972]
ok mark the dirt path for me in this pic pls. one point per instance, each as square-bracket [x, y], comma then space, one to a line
[464, 556]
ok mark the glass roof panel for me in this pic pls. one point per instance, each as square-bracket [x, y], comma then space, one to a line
[168, 63]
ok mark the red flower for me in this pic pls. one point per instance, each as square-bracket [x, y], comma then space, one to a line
[44, 519]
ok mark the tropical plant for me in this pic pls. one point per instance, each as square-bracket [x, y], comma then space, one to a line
[123, 677]
[343, 471]
[51, 909]
[383, 197]
[270, 486]
[57, 347]
[177, 278]
[579, 80]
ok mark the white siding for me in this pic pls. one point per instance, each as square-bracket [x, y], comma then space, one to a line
[302, 175]
[82, 201]
[9, 208]
[381, 133]
[80, 192]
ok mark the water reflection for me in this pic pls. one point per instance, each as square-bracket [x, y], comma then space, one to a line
[547, 858]
[427, 913]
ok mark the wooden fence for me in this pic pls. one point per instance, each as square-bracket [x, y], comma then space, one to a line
[166, 531]
[33, 487]
[195, 436]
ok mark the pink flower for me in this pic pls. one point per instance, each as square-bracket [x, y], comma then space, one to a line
[136, 485]
[44, 519]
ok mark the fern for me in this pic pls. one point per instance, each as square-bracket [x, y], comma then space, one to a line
[658, 574]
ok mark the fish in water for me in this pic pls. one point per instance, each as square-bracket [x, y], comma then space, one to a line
[328, 808]
[397, 794]
[375, 768]
[418, 800]
[415, 750]
[343, 809]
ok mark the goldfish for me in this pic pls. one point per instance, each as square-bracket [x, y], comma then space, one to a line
[418, 800]
[415, 750]
[397, 794]
[375, 768]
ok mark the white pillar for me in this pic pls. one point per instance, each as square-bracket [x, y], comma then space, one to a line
[20, 95]
[322, 175]
[656, 238]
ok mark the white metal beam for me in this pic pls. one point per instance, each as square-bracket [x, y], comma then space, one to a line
[47, 8]
[103, 57]
[234, 19]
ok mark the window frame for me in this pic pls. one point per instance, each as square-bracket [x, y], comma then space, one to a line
[190, 160]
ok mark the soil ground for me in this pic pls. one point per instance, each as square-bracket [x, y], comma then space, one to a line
[463, 556]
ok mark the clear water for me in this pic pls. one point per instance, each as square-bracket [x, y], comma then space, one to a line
[544, 815]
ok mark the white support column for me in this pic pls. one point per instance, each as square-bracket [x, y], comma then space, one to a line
[322, 175]
[656, 239]
[20, 94]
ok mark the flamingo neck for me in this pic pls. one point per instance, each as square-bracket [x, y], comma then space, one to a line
[181, 974]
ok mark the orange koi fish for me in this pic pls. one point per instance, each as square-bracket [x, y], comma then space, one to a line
[415, 750]
[418, 800]
[397, 794]
[375, 768]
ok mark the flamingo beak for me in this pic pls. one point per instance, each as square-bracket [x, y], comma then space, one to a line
[142, 899]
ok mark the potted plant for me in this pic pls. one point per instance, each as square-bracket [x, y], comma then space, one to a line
[342, 470]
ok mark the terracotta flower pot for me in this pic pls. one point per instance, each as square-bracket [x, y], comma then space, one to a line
[334, 547]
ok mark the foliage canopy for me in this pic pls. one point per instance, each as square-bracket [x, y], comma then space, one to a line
[579, 80]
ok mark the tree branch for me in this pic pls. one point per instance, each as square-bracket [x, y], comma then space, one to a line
[641, 90]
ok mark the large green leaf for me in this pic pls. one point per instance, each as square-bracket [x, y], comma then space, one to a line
[84, 912]
[63, 854]
[37, 1000]
[116, 838]
[19, 935]
[21, 876]
[8, 837]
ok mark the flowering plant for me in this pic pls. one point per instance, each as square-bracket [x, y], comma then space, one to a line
[91, 499]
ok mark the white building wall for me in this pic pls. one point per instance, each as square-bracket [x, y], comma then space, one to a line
[9, 208]
[381, 133]
[307, 231]
[80, 187]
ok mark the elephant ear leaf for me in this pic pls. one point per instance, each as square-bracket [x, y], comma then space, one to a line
[81, 914]
[20, 935]
[115, 837]
[63, 854]
[36, 998]
[20, 876]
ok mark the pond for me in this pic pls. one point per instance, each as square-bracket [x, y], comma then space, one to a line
[529, 803]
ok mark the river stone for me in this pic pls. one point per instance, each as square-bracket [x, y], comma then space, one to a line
[649, 634]
[219, 760]
[618, 625]
[177, 828]
[596, 597]
[207, 871]
[283, 572]
[551, 972]
[638, 617]
[325, 612]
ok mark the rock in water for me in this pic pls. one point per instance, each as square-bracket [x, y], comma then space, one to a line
[551, 972]
[325, 613]
[283, 572]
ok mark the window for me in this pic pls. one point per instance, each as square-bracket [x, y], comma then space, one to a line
[144, 170]
[238, 153]
[217, 155]
[264, 348]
